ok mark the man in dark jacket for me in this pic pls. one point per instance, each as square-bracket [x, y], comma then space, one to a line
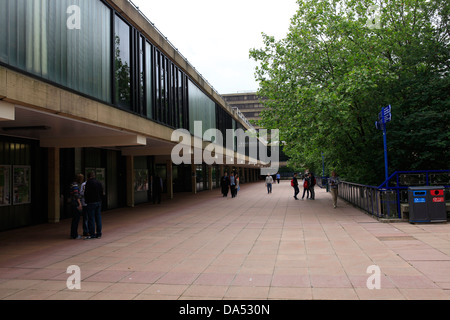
[93, 195]
[295, 185]
[225, 184]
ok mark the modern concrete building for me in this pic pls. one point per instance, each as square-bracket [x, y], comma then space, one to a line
[248, 103]
[93, 85]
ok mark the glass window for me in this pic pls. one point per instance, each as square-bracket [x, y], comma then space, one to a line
[201, 108]
[3, 32]
[141, 100]
[122, 63]
[148, 80]
[71, 48]
[157, 114]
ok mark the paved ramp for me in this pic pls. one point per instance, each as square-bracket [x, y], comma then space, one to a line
[255, 246]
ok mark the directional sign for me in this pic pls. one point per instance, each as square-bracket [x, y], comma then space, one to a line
[385, 114]
[384, 117]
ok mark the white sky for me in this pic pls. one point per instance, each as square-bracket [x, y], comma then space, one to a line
[216, 36]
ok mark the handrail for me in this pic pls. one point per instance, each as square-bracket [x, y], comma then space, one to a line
[383, 200]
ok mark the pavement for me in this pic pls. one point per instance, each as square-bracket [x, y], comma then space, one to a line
[257, 246]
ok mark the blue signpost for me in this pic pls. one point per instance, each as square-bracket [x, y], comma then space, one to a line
[384, 117]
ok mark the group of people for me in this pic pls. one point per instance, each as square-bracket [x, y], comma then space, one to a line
[86, 202]
[309, 182]
[230, 183]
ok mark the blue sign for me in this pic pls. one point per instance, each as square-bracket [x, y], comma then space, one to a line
[385, 115]
[420, 200]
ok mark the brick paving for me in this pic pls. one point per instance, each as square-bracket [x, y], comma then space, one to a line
[255, 246]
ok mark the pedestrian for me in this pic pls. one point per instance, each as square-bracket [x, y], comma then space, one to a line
[225, 184]
[157, 189]
[333, 182]
[85, 212]
[238, 186]
[269, 182]
[233, 185]
[306, 187]
[295, 186]
[93, 195]
[75, 204]
[312, 183]
[278, 177]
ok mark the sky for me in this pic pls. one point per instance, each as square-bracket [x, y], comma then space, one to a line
[217, 36]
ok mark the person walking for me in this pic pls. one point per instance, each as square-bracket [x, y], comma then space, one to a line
[269, 182]
[278, 177]
[333, 182]
[295, 186]
[93, 195]
[306, 187]
[85, 213]
[233, 185]
[312, 183]
[75, 204]
[238, 186]
[225, 184]
[157, 189]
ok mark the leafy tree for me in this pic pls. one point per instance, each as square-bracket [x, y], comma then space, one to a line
[341, 62]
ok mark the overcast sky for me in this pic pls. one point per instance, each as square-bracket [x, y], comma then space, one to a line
[216, 36]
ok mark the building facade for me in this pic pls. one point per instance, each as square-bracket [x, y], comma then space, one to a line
[92, 85]
[249, 104]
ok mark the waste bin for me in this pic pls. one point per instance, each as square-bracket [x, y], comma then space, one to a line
[426, 204]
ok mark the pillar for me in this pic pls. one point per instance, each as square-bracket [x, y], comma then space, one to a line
[169, 179]
[210, 177]
[130, 181]
[194, 178]
[54, 197]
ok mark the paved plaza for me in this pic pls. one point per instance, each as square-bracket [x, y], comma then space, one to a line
[255, 246]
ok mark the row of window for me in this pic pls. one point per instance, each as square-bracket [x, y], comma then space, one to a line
[97, 53]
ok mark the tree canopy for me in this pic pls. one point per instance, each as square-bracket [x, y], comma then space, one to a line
[340, 64]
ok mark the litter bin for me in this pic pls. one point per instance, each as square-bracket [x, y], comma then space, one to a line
[426, 204]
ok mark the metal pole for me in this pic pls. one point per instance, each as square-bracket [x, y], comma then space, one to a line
[385, 146]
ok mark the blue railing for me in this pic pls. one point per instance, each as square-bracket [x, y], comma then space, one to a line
[385, 200]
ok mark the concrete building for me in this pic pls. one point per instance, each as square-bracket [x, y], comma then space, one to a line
[249, 105]
[96, 87]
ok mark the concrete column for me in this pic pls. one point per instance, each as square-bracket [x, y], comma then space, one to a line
[210, 177]
[194, 178]
[54, 197]
[130, 181]
[169, 179]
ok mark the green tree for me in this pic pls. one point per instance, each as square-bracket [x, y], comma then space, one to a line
[341, 62]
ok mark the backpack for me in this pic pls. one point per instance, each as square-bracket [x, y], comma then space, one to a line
[305, 184]
[292, 182]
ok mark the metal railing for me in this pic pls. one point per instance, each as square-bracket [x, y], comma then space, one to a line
[385, 200]
[367, 198]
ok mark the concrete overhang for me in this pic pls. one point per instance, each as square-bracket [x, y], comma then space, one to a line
[7, 111]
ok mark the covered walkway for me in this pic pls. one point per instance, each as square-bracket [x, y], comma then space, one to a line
[255, 246]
